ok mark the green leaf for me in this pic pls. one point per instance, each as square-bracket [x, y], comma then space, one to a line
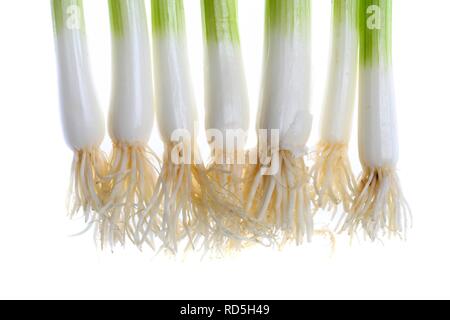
[288, 16]
[375, 31]
[68, 14]
[345, 10]
[168, 17]
[220, 20]
[116, 17]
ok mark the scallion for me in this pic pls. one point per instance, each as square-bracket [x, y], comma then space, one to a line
[333, 178]
[82, 118]
[282, 199]
[379, 206]
[132, 175]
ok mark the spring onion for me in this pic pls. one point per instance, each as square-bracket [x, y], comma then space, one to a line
[82, 118]
[226, 99]
[283, 199]
[379, 206]
[226, 96]
[175, 110]
[132, 175]
[333, 178]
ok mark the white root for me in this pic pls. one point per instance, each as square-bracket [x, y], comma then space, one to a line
[131, 181]
[282, 201]
[226, 182]
[232, 228]
[87, 190]
[333, 179]
[175, 213]
[227, 170]
[379, 207]
[195, 211]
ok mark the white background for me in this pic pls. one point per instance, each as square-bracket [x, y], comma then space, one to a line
[39, 259]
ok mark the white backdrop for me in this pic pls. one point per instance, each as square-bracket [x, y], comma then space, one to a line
[39, 259]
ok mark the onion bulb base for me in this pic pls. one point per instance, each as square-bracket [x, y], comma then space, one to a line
[379, 207]
[226, 170]
[333, 179]
[234, 228]
[86, 191]
[196, 212]
[176, 207]
[283, 200]
[132, 175]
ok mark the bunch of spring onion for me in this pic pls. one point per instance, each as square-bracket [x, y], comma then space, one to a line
[333, 178]
[226, 101]
[193, 207]
[82, 118]
[132, 174]
[379, 206]
[280, 196]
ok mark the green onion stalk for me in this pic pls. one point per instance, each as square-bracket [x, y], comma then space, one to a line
[82, 118]
[278, 191]
[379, 207]
[334, 182]
[133, 172]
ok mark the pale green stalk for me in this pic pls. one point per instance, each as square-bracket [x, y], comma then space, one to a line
[68, 14]
[117, 17]
[288, 16]
[345, 13]
[168, 17]
[220, 20]
[375, 32]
